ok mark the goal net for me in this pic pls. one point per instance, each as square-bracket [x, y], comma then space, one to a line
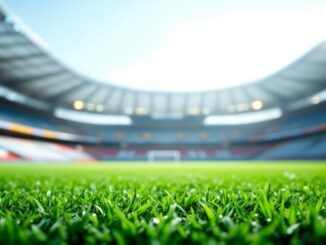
[163, 155]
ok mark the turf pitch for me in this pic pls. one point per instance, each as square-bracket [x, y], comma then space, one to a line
[141, 203]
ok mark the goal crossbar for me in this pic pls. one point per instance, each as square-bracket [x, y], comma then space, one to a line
[164, 155]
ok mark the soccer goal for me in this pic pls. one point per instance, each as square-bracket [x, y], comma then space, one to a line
[164, 155]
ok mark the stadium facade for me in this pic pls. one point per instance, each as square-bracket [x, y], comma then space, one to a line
[50, 112]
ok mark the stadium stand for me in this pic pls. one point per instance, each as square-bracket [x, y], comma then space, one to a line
[6, 155]
[75, 118]
[31, 150]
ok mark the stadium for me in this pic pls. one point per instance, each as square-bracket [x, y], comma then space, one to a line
[86, 161]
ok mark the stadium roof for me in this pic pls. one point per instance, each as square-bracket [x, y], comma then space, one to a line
[28, 71]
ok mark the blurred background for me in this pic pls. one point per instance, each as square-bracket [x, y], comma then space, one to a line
[115, 80]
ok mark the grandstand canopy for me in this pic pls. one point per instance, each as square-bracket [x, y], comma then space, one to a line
[29, 73]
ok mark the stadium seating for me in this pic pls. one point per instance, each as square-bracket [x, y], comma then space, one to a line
[300, 123]
[297, 135]
[13, 149]
[304, 148]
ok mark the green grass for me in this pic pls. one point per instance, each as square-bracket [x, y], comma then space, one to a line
[225, 203]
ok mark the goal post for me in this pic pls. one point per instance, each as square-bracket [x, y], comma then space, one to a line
[163, 155]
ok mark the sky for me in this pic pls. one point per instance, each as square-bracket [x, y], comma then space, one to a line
[175, 45]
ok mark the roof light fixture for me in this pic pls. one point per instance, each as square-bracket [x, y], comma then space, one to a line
[257, 105]
[78, 104]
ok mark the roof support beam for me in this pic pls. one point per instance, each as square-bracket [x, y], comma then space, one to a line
[108, 91]
[54, 99]
[16, 82]
[92, 93]
[34, 92]
[13, 65]
[202, 102]
[168, 105]
[15, 44]
[304, 80]
[186, 103]
[10, 33]
[217, 106]
[151, 103]
[247, 94]
[106, 100]
[120, 108]
[279, 98]
[232, 98]
[20, 57]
